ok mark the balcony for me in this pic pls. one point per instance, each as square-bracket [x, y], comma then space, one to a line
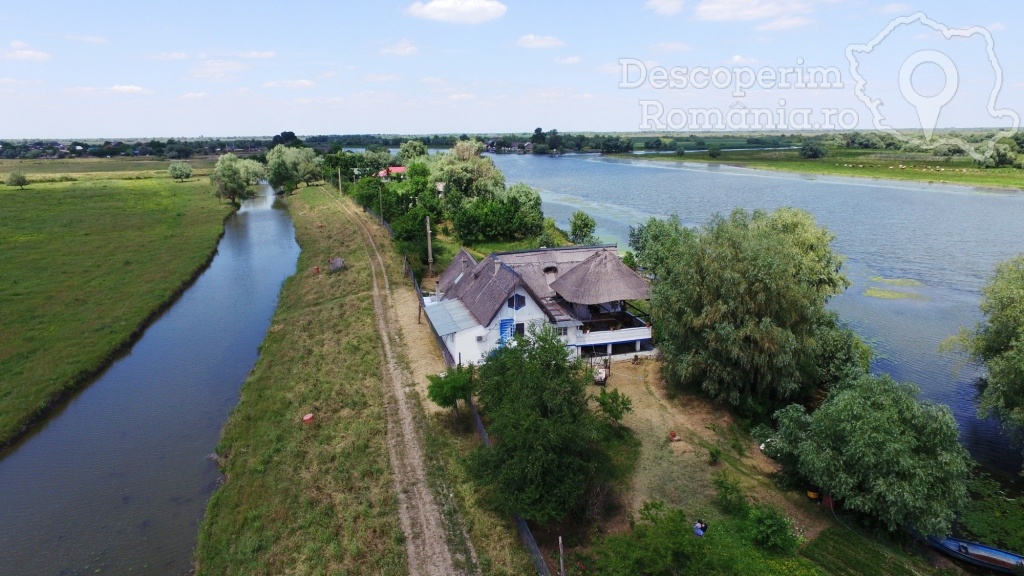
[608, 328]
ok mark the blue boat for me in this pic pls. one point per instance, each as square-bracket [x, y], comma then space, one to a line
[979, 554]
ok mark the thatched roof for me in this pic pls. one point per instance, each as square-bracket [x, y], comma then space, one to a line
[601, 278]
[456, 271]
[485, 288]
[539, 268]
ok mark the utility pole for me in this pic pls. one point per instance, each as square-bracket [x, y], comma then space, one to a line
[430, 251]
[561, 562]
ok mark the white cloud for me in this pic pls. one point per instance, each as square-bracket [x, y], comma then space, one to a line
[785, 23]
[462, 96]
[671, 47]
[534, 41]
[996, 27]
[327, 74]
[726, 10]
[458, 11]
[403, 47]
[380, 78]
[89, 39]
[569, 60]
[895, 9]
[609, 68]
[257, 55]
[666, 7]
[303, 83]
[126, 89]
[743, 60]
[193, 96]
[218, 70]
[169, 56]
[22, 51]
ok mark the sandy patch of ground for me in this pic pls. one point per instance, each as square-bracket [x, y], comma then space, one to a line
[678, 473]
[420, 345]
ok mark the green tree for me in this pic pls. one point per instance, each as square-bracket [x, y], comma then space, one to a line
[613, 405]
[17, 179]
[411, 150]
[287, 166]
[228, 180]
[739, 305]
[880, 452]
[581, 228]
[252, 171]
[999, 342]
[812, 149]
[545, 456]
[447, 389]
[714, 151]
[180, 171]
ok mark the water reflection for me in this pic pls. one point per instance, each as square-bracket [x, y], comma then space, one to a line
[117, 482]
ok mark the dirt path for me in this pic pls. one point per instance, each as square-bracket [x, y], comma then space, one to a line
[426, 540]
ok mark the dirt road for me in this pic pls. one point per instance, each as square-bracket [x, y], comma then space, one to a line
[426, 537]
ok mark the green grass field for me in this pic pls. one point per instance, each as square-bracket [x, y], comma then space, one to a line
[864, 164]
[83, 168]
[85, 264]
[317, 498]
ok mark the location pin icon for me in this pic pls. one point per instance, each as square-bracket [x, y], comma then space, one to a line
[928, 107]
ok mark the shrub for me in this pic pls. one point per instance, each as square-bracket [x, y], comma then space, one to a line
[729, 496]
[613, 405]
[714, 455]
[772, 530]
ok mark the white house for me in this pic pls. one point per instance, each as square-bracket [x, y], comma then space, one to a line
[582, 291]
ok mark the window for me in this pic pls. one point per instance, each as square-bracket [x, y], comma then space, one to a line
[520, 329]
[516, 301]
[562, 331]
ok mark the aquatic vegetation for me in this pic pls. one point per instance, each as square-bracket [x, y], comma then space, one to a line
[906, 282]
[885, 294]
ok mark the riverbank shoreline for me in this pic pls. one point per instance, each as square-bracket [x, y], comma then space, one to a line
[857, 165]
[11, 436]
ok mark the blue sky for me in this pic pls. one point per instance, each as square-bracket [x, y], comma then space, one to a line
[139, 69]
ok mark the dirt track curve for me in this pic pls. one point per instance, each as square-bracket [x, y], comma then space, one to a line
[426, 541]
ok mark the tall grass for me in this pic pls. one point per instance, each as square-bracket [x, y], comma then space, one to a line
[310, 498]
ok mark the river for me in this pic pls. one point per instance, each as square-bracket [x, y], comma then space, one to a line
[117, 481]
[948, 238]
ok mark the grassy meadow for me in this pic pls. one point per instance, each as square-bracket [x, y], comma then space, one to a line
[86, 263]
[879, 164]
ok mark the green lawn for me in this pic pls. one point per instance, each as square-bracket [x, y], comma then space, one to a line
[865, 164]
[85, 264]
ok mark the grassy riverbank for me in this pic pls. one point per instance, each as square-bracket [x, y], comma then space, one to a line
[877, 164]
[86, 264]
[319, 498]
[310, 498]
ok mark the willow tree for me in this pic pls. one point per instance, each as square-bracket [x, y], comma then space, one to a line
[999, 342]
[738, 306]
[228, 178]
[879, 451]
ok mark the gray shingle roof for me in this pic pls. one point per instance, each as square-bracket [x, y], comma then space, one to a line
[462, 263]
[485, 288]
